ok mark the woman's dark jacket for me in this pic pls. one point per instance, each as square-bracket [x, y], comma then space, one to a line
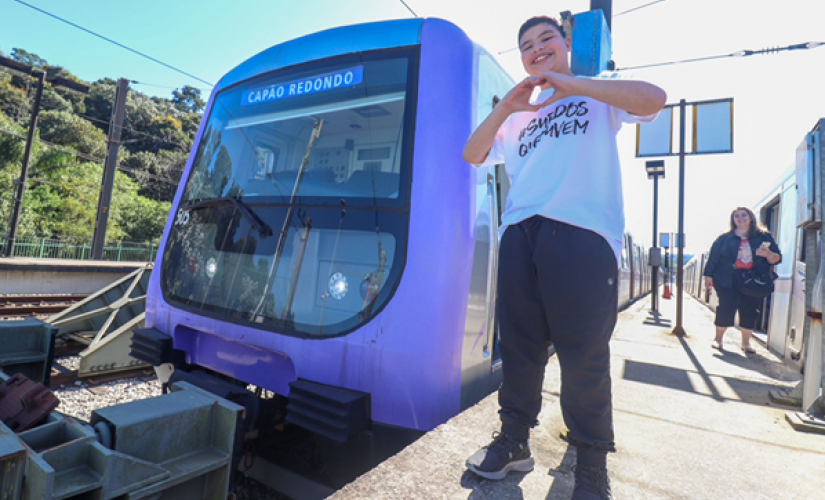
[723, 253]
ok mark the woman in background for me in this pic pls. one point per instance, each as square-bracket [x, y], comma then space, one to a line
[747, 245]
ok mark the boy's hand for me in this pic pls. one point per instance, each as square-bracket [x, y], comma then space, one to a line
[562, 84]
[518, 99]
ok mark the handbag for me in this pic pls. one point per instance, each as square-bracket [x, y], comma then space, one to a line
[753, 283]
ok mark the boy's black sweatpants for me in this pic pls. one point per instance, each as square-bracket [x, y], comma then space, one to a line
[558, 283]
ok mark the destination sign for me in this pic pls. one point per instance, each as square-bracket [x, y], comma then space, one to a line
[304, 86]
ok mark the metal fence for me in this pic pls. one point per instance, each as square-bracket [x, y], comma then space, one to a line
[47, 248]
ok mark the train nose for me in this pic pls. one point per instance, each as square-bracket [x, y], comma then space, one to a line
[266, 368]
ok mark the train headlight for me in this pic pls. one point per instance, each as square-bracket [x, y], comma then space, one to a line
[211, 267]
[338, 286]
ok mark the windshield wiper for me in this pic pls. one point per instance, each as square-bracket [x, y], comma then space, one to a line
[279, 249]
[255, 221]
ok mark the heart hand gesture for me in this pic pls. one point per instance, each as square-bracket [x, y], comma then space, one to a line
[518, 98]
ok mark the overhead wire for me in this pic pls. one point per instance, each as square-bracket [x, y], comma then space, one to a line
[141, 54]
[167, 86]
[640, 7]
[146, 174]
[637, 8]
[408, 8]
[739, 53]
[93, 159]
[53, 145]
[123, 127]
[86, 157]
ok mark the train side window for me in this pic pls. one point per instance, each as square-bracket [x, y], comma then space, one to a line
[624, 252]
[801, 246]
[502, 180]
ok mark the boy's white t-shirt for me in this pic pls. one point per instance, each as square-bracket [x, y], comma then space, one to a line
[563, 164]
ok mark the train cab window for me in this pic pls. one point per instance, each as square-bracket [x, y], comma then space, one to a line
[329, 133]
[295, 215]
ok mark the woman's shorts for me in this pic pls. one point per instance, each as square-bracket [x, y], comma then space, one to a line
[731, 301]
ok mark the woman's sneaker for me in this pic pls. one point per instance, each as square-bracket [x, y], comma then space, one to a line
[503, 455]
[592, 483]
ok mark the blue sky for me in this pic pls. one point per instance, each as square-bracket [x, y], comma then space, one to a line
[776, 97]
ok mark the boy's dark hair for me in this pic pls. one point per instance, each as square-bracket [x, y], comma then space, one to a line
[535, 21]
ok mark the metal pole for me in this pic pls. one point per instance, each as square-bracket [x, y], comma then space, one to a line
[607, 9]
[679, 329]
[672, 247]
[654, 278]
[24, 171]
[115, 127]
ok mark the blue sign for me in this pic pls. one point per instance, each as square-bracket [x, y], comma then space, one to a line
[304, 86]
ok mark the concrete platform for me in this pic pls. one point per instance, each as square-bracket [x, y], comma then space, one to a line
[24, 275]
[691, 423]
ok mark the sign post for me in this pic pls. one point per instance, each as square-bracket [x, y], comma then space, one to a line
[712, 134]
[655, 169]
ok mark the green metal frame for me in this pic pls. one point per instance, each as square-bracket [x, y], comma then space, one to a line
[179, 445]
[105, 321]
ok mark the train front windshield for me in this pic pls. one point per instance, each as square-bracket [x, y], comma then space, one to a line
[295, 214]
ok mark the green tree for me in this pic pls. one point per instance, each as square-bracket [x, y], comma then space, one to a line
[12, 143]
[70, 130]
[99, 102]
[14, 102]
[157, 174]
[143, 219]
[28, 58]
[52, 100]
[63, 187]
[188, 99]
[190, 123]
[168, 133]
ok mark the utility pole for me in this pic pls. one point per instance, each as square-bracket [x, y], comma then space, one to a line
[24, 171]
[42, 78]
[606, 7]
[105, 199]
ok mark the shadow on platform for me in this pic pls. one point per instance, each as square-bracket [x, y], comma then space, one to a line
[720, 388]
[753, 362]
[562, 487]
[656, 319]
[508, 488]
[482, 489]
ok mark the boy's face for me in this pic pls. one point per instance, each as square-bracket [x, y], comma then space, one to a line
[544, 49]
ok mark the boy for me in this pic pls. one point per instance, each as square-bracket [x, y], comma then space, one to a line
[564, 221]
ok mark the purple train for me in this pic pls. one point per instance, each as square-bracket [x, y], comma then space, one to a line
[330, 247]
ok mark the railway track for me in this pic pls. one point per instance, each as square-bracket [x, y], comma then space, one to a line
[64, 372]
[62, 376]
[20, 306]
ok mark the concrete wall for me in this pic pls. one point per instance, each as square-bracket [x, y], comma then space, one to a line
[53, 276]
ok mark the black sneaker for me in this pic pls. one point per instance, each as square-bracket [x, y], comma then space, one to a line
[504, 454]
[592, 483]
